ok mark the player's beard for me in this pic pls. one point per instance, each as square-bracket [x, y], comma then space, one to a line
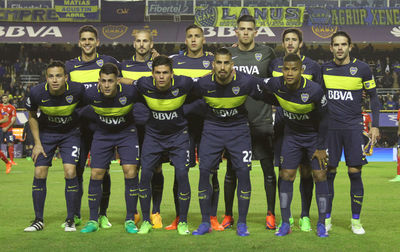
[224, 77]
[145, 54]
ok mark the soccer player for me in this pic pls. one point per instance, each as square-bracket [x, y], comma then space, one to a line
[397, 178]
[195, 63]
[292, 41]
[253, 59]
[226, 128]
[111, 109]
[304, 105]
[28, 141]
[85, 70]
[3, 119]
[139, 66]
[7, 127]
[166, 131]
[345, 78]
[57, 126]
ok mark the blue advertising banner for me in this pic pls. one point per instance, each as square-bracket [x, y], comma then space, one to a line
[157, 7]
[366, 16]
[131, 12]
[28, 4]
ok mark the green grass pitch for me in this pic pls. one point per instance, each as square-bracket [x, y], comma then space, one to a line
[380, 216]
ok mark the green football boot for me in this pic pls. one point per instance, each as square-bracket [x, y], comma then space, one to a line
[305, 224]
[183, 228]
[145, 228]
[130, 227]
[91, 226]
[103, 222]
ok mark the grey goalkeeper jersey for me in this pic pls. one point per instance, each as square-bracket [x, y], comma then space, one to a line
[256, 62]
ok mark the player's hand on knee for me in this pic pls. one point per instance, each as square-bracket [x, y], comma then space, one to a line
[322, 158]
[37, 150]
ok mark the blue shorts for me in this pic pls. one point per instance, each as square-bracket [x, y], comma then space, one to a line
[236, 142]
[277, 143]
[351, 141]
[7, 137]
[298, 149]
[104, 143]
[68, 143]
[155, 146]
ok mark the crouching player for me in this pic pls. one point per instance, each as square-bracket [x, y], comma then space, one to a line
[110, 107]
[304, 106]
[166, 131]
[57, 126]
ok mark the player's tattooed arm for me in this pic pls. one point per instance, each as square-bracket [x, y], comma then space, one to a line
[34, 124]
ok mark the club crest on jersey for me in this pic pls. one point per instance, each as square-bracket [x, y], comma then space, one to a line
[353, 70]
[304, 97]
[304, 67]
[206, 63]
[150, 65]
[236, 90]
[122, 100]
[175, 92]
[258, 56]
[100, 62]
[69, 99]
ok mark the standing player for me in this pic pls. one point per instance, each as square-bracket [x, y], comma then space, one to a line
[28, 141]
[57, 126]
[397, 178]
[345, 79]
[195, 63]
[304, 106]
[292, 41]
[7, 127]
[85, 70]
[3, 119]
[226, 128]
[139, 66]
[166, 131]
[111, 108]
[253, 59]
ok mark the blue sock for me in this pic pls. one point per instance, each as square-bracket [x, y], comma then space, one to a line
[94, 196]
[229, 188]
[176, 198]
[306, 192]
[184, 195]
[105, 198]
[135, 188]
[243, 194]
[145, 193]
[321, 193]
[78, 199]
[215, 193]
[39, 191]
[157, 186]
[330, 178]
[285, 197]
[205, 195]
[356, 193]
[130, 194]
[71, 192]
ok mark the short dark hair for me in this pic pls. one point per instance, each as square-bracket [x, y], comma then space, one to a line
[298, 32]
[193, 26]
[109, 68]
[246, 18]
[292, 57]
[162, 60]
[223, 51]
[341, 33]
[56, 63]
[88, 28]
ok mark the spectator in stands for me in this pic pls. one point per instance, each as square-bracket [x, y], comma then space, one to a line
[390, 104]
[387, 81]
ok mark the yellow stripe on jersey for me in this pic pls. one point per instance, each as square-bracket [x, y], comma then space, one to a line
[119, 111]
[343, 82]
[193, 73]
[135, 75]
[58, 110]
[225, 102]
[165, 104]
[295, 107]
[279, 74]
[85, 76]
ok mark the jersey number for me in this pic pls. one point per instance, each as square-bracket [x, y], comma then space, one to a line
[75, 152]
[247, 156]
